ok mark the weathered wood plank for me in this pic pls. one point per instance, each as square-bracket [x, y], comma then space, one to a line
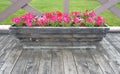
[45, 62]
[29, 63]
[3, 40]
[104, 65]
[111, 35]
[37, 61]
[112, 55]
[81, 63]
[11, 61]
[4, 55]
[6, 44]
[69, 64]
[4, 49]
[115, 41]
[32, 65]
[118, 37]
[48, 43]
[93, 67]
[59, 30]
[57, 62]
[60, 35]
[105, 60]
[20, 65]
[110, 60]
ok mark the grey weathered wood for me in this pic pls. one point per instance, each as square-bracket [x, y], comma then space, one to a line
[115, 41]
[29, 8]
[113, 9]
[4, 55]
[11, 61]
[36, 63]
[47, 36]
[32, 65]
[81, 63]
[105, 6]
[19, 68]
[7, 44]
[109, 59]
[4, 49]
[66, 6]
[45, 62]
[57, 62]
[17, 60]
[4, 31]
[69, 64]
[4, 38]
[48, 43]
[29, 63]
[1, 38]
[58, 30]
[93, 67]
[14, 7]
[104, 65]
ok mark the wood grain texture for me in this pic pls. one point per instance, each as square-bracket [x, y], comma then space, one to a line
[102, 60]
[57, 62]
[93, 67]
[59, 36]
[81, 63]
[45, 62]
[104, 65]
[20, 66]
[69, 64]
[11, 61]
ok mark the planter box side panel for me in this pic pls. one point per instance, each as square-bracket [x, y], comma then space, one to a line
[59, 36]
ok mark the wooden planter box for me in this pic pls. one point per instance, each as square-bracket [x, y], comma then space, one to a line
[59, 36]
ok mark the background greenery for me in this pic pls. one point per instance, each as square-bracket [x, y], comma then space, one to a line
[52, 5]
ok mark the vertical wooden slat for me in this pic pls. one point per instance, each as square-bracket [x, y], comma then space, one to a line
[66, 6]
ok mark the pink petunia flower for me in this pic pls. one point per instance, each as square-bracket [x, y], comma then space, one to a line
[16, 20]
[89, 19]
[76, 20]
[75, 13]
[66, 19]
[29, 24]
[53, 18]
[92, 14]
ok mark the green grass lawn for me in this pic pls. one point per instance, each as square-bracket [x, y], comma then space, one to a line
[52, 5]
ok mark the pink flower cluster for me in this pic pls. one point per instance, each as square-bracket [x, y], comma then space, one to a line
[91, 17]
[52, 18]
[57, 18]
[26, 19]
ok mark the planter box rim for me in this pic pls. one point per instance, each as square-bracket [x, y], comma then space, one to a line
[105, 26]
